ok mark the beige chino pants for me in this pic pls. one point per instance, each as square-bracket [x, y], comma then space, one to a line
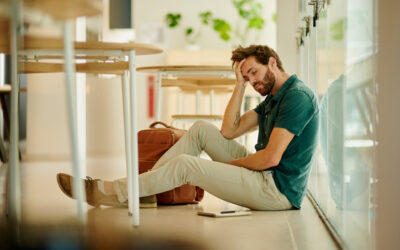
[182, 165]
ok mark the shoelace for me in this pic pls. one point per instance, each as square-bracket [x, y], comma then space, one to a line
[88, 181]
[89, 184]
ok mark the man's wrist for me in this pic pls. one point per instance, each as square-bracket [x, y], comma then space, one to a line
[241, 84]
[234, 162]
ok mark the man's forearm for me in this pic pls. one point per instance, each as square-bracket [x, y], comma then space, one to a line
[261, 160]
[232, 112]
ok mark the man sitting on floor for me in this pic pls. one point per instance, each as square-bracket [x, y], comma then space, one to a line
[273, 178]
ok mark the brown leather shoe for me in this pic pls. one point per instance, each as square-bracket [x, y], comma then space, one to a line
[95, 197]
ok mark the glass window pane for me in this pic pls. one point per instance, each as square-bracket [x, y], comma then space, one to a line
[342, 76]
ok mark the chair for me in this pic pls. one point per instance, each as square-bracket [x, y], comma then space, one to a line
[212, 115]
[193, 79]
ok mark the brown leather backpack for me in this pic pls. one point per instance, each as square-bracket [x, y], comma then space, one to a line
[153, 143]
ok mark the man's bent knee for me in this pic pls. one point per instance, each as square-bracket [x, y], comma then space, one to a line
[175, 169]
[184, 166]
[201, 125]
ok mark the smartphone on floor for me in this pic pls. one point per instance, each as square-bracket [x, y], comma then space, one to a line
[226, 213]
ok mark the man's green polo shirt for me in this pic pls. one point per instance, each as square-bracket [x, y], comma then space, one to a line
[294, 108]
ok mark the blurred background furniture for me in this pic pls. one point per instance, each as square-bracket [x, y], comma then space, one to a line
[23, 48]
[193, 79]
[112, 57]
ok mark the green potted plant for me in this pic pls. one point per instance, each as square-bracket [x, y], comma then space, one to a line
[250, 19]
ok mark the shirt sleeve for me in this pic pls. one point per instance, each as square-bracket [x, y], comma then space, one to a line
[295, 112]
[260, 108]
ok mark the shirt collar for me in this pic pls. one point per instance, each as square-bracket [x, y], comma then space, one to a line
[285, 85]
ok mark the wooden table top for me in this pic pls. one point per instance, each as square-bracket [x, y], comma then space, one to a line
[90, 68]
[34, 43]
[194, 76]
[54, 44]
[187, 83]
[118, 68]
[166, 68]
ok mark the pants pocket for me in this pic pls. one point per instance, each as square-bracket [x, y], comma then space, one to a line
[281, 199]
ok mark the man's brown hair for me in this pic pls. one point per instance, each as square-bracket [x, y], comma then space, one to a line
[262, 53]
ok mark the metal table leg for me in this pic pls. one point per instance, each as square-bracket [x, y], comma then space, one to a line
[78, 185]
[127, 127]
[133, 173]
[14, 188]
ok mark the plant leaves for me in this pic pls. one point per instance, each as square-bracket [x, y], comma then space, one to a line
[221, 25]
[249, 11]
[223, 28]
[205, 17]
[225, 36]
[172, 20]
[274, 17]
[244, 13]
[256, 23]
[188, 31]
[256, 9]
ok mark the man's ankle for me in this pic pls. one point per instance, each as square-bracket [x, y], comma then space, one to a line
[106, 187]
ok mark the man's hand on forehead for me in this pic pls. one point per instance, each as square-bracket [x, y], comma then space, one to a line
[238, 64]
[238, 71]
[244, 73]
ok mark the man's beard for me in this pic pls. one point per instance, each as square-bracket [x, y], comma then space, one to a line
[265, 86]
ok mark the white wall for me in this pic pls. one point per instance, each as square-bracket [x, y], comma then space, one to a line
[47, 126]
[388, 158]
[287, 23]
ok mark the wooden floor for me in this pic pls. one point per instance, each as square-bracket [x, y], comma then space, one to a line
[48, 217]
